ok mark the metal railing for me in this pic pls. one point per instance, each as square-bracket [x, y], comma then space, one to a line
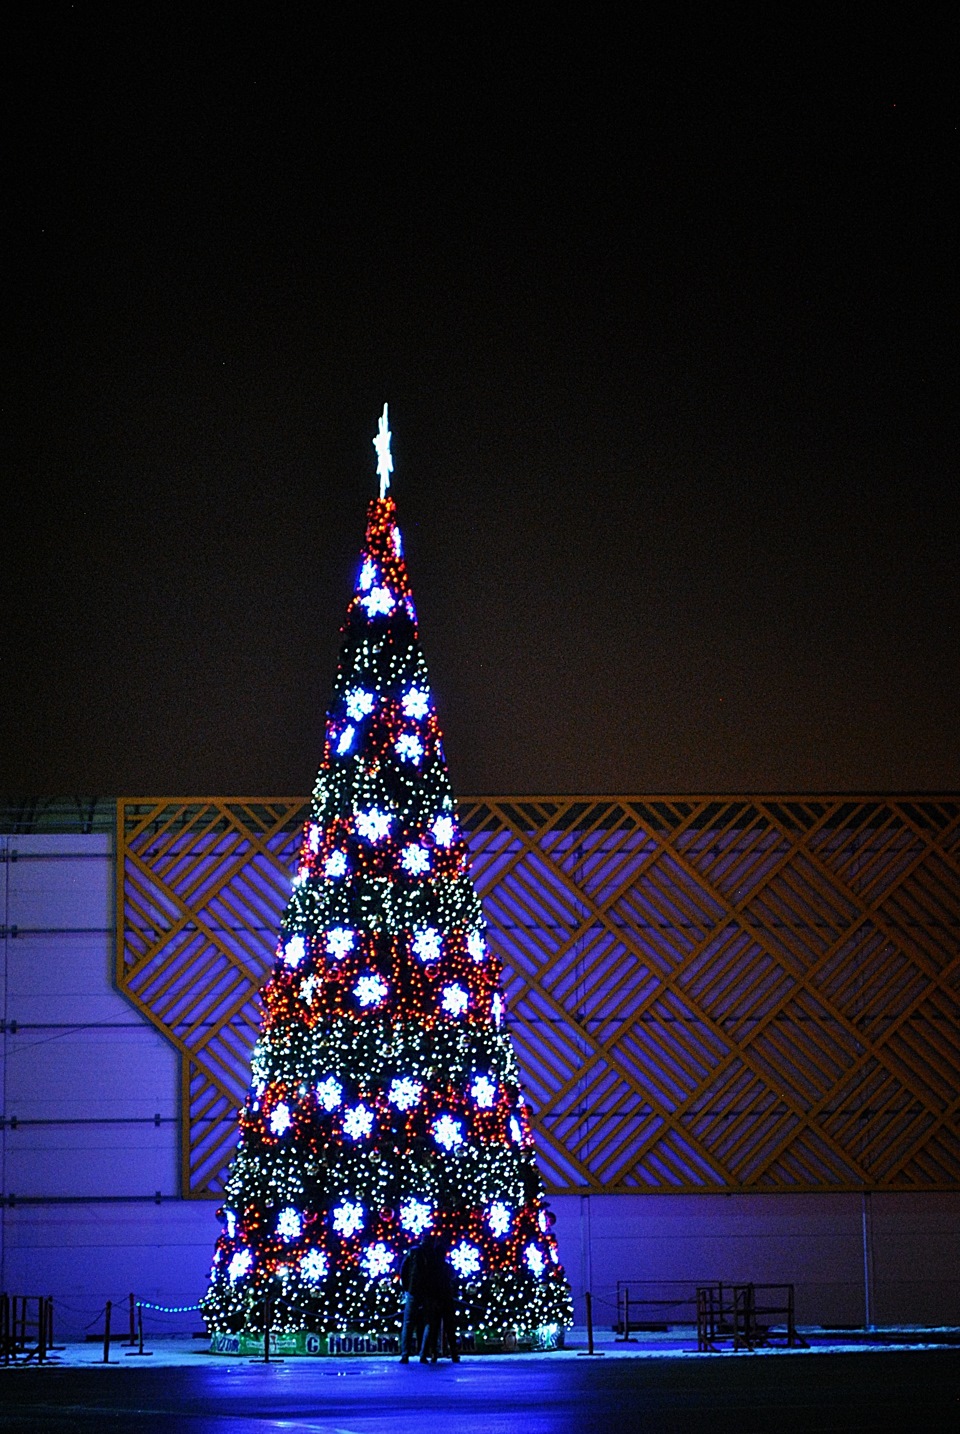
[746, 1317]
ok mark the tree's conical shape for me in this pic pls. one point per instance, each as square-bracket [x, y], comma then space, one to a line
[385, 1101]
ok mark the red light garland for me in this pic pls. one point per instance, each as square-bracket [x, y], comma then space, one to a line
[383, 984]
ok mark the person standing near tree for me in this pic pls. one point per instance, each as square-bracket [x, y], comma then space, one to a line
[447, 1283]
[430, 1284]
[411, 1282]
[436, 1285]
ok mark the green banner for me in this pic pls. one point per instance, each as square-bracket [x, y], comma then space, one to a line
[306, 1343]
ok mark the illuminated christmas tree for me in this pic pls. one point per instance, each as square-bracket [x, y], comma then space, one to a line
[385, 1100]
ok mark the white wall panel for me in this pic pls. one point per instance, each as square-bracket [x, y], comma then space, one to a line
[66, 977]
[96, 1159]
[89, 1073]
[816, 1243]
[915, 1248]
[85, 1064]
[61, 882]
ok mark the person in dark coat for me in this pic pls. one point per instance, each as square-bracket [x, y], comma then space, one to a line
[411, 1282]
[437, 1290]
[448, 1303]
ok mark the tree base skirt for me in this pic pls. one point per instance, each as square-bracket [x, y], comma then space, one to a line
[249, 1344]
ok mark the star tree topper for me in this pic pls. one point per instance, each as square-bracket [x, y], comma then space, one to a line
[384, 457]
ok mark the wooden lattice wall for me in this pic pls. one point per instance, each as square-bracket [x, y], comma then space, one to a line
[706, 994]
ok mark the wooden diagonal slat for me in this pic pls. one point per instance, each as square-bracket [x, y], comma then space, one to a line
[707, 992]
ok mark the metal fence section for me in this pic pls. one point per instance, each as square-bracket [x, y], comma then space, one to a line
[706, 994]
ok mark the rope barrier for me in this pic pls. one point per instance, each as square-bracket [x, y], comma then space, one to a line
[72, 1309]
[13, 1323]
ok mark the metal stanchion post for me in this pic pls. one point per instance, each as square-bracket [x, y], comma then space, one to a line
[51, 1342]
[625, 1338]
[588, 1297]
[106, 1332]
[139, 1351]
[266, 1357]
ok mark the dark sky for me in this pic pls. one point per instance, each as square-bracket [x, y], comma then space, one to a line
[668, 326]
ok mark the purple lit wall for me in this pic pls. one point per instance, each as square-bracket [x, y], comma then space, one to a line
[91, 1137]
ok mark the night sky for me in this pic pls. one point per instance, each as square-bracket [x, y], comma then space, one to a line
[667, 323]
